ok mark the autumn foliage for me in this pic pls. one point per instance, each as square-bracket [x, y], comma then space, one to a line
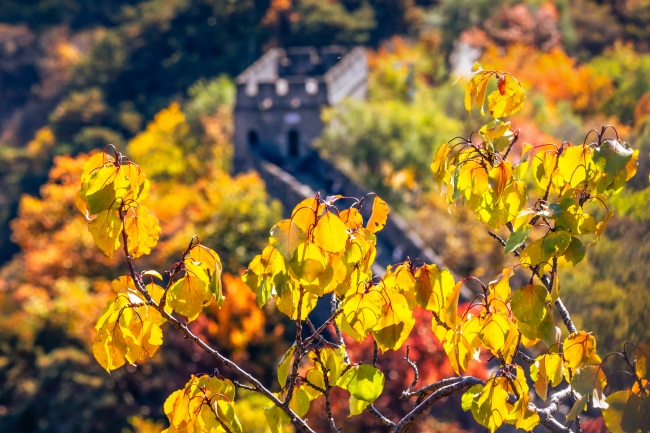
[326, 249]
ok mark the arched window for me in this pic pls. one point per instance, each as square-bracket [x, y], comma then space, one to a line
[294, 144]
[253, 139]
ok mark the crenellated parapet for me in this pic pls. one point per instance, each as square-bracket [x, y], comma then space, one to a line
[280, 96]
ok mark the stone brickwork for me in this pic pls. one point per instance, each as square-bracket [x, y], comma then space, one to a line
[280, 96]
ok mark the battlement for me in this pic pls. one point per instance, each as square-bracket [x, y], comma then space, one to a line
[280, 96]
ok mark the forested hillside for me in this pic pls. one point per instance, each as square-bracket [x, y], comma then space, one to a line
[154, 78]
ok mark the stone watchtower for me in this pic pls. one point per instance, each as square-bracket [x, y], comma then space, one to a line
[280, 96]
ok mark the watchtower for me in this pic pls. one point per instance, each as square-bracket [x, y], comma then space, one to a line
[280, 96]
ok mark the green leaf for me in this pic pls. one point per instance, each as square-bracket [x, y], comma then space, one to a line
[517, 238]
[577, 408]
[556, 243]
[529, 304]
[590, 380]
[470, 395]
[364, 382]
[612, 156]
[285, 366]
[575, 252]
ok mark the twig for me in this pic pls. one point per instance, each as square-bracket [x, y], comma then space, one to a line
[546, 414]
[407, 422]
[322, 327]
[328, 387]
[414, 367]
[375, 353]
[256, 384]
[433, 386]
[382, 419]
[298, 353]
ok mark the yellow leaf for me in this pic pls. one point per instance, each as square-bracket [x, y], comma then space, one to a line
[106, 230]
[395, 321]
[125, 333]
[191, 292]
[507, 99]
[311, 266]
[142, 230]
[305, 213]
[580, 349]
[575, 164]
[490, 409]
[499, 291]
[641, 356]
[291, 298]
[330, 233]
[379, 215]
[501, 176]
[361, 312]
[547, 368]
[208, 260]
[499, 334]
[351, 218]
[433, 288]
[286, 236]
[205, 404]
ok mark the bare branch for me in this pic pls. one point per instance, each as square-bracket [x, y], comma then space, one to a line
[407, 422]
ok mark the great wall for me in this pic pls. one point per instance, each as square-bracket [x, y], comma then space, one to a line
[277, 115]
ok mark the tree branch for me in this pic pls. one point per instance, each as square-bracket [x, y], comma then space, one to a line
[546, 414]
[256, 384]
[407, 422]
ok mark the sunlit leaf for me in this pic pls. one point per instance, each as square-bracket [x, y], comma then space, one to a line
[291, 299]
[142, 230]
[395, 321]
[276, 419]
[125, 334]
[361, 312]
[378, 216]
[330, 233]
[489, 407]
[507, 99]
[357, 406]
[305, 213]
[547, 368]
[191, 292]
[106, 231]
[641, 357]
[530, 306]
[433, 286]
[499, 334]
[575, 164]
[351, 218]
[580, 349]
[206, 403]
[286, 236]
[364, 382]
[285, 365]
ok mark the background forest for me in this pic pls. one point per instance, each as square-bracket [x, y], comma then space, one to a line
[155, 78]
